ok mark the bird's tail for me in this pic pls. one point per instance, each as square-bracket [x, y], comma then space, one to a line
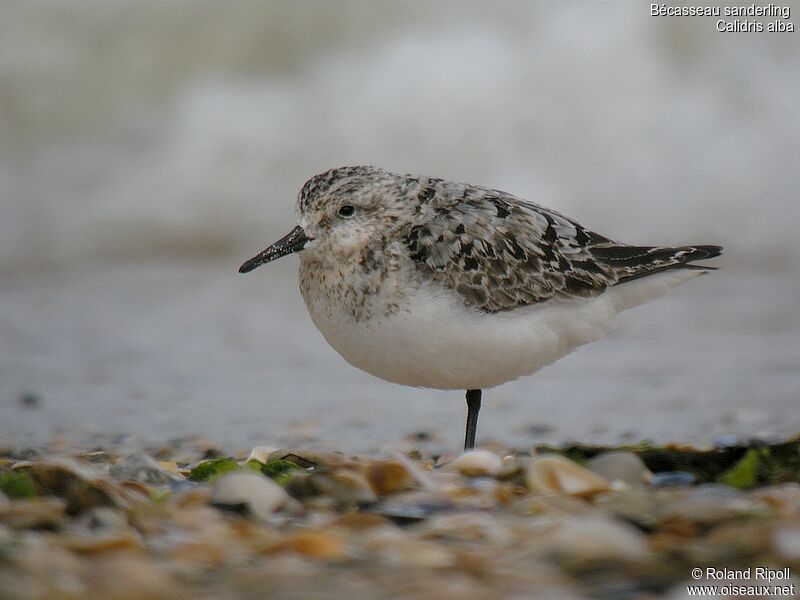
[633, 262]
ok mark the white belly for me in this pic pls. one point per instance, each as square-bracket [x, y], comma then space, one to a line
[436, 341]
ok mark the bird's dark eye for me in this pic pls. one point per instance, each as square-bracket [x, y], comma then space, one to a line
[346, 211]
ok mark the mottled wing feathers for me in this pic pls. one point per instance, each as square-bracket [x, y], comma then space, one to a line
[499, 252]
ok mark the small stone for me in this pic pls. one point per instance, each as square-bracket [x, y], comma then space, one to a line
[783, 499]
[592, 538]
[645, 507]
[712, 503]
[30, 400]
[360, 521]
[468, 527]
[25, 453]
[35, 512]
[389, 477]
[553, 474]
[551, 505]
[170, 466]
[620, 466]
[44, 571]
[514, 470]
[477, 463]
[672, 479]
[87, 543]
[340, 490]
[316, 544]
[125, 576]
[77, 483]
[250, 492]
[141, 467]
[728, 441]
[396, 548]
[104, 517]
[353, 487]
[198, 553]
[412, 507]
[211, 452]
[786, 541]
[97, 457]
[539, 429]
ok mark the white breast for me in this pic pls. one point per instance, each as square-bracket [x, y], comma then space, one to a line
[436, 341]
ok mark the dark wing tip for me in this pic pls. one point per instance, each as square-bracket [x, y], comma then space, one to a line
[708, 251]
[248, 266]
[703, 252]
[634, 262]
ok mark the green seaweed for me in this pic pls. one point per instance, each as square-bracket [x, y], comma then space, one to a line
[744, 465]
[767, 465]
[209, 469]
[17, 485]
[281, 471]
[744, 474]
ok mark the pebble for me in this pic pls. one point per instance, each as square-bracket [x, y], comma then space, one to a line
[728, 441]
[783, 498]
[321, 545]
[256, 494]
[713, 503]
[397, 549]
[593, 538]
[78, 484]
[389, 477]
[620, 466]
[143, 468]
[672, 479]
[127, 576]
[34, 513]
[353, 488]
[405, 525]
[468, 527]
[786, 541]
[647, 508]
[477, 463]
[103, 517]
[552, 474]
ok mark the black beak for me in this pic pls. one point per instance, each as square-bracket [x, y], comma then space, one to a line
[294, 242]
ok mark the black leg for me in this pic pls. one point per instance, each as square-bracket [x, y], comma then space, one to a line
[473, 407]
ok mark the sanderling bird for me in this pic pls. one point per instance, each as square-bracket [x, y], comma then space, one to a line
[431, 283]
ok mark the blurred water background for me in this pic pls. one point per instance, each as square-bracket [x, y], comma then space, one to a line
[148, 147]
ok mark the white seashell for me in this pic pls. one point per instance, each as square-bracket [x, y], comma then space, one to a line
[554, 474]
[259, 494]
[621, 466]
[477, 463]
[260, 453]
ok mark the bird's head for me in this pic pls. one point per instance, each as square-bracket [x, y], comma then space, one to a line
[340, 212]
